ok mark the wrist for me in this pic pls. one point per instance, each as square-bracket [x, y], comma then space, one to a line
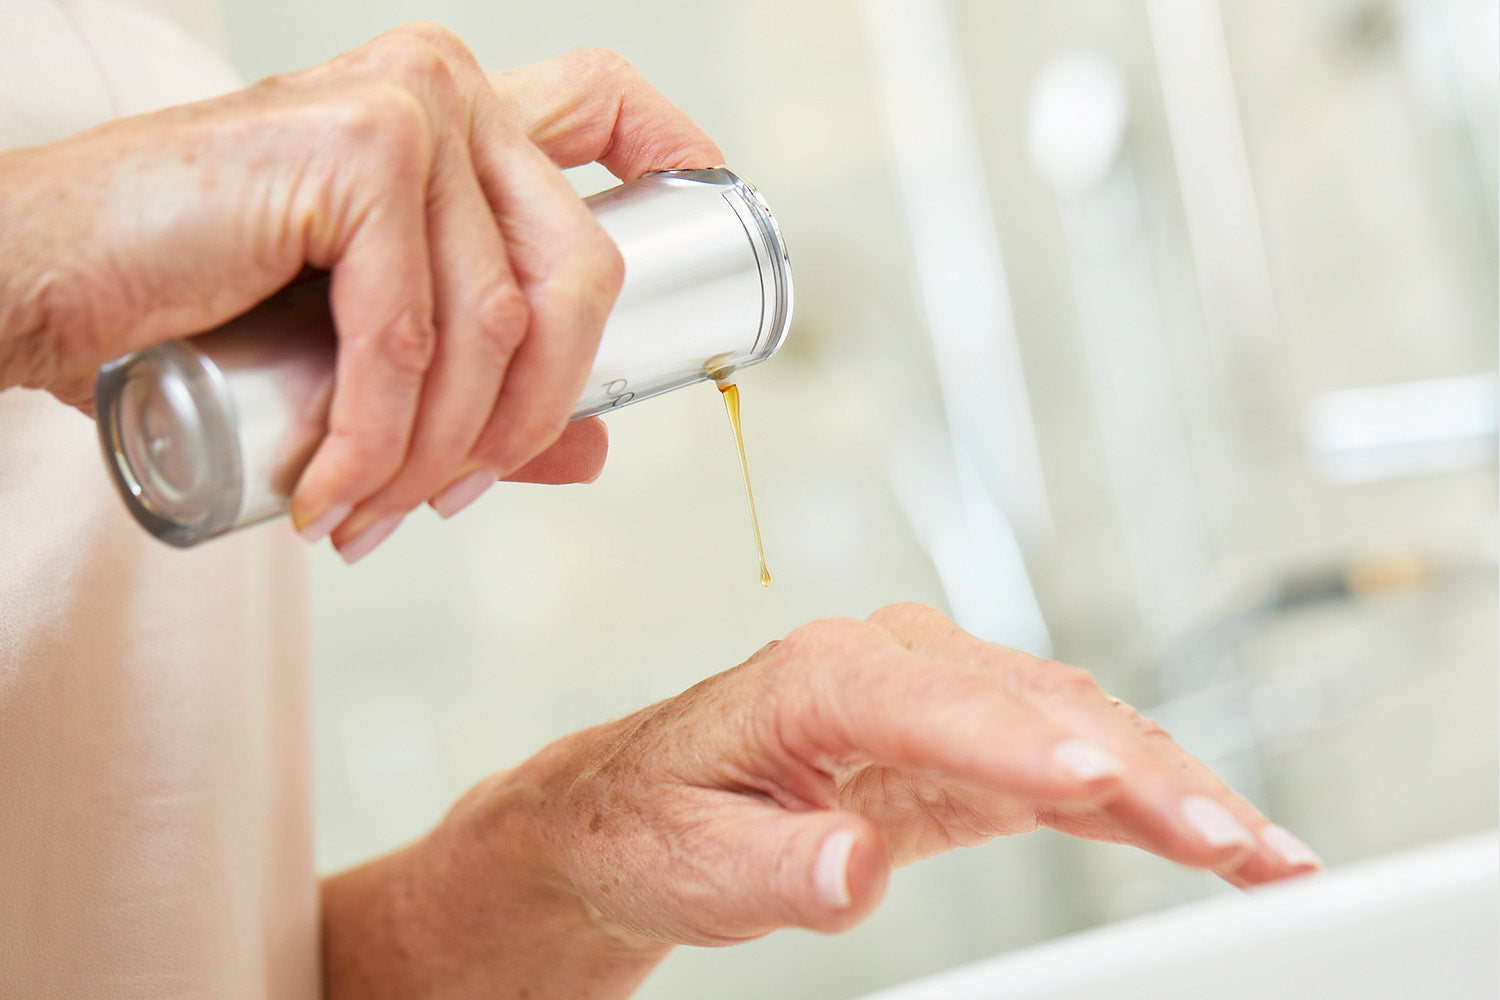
[33, 288]
[518, 822]
[530, 817]
[479, 907]
[20, 313]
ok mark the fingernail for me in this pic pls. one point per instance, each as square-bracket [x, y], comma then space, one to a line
[318, 528]
[1214, 823]
[1085, 761]
[462, 492]
[1289, 847]
[832, 870]
[364, 543]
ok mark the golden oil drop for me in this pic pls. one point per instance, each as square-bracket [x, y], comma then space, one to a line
[731, 394]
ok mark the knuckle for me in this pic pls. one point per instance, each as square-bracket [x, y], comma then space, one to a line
[282, 83]
[764, 651]
[1147, 728]
[407, 343]
[539, 428]
[422, 64]
[501, 316]
[908, 614]
[384, 116]
[584, 295]
[589, 274]
[432, 56]
[609, 263]
[911, 625]
[368, 455]
[1052, 681]
[430, 32]
[822, 641]
[60, 312]
[601, 62]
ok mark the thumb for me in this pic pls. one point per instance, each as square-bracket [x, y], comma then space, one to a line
[824, 870]
[576, 457]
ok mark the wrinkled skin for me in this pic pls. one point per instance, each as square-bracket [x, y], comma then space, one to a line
[469, 283]
[708, 818]
[699, 819]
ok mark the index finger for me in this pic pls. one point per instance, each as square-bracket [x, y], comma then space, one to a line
[1170, 802]
[591, 105]
[847, 693]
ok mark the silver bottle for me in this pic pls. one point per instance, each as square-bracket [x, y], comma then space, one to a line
[209, 434]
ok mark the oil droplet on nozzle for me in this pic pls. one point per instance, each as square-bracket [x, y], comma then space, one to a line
[731, 393]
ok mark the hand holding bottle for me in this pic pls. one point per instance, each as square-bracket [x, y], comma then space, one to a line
[469, 283]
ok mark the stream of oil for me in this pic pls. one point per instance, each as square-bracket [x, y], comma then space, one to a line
[731, 394]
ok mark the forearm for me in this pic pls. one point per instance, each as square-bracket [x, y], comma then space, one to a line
[473, 910]
[60, 298]
[21, 258]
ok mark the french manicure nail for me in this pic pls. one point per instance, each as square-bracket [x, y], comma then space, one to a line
[1085, 761]
[831, 873]
[1214, 823]
[462, 492]
[318, 528]
[364, 543]
[1289, 847]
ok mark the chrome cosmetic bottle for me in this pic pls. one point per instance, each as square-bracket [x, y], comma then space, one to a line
[210, 434]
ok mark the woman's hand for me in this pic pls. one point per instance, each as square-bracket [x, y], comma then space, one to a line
[782, 792]
[777, 794]
[469, 283]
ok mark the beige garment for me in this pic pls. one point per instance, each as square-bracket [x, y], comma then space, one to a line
[155, 820]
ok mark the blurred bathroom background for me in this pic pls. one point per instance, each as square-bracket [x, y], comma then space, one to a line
[1158, 336]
